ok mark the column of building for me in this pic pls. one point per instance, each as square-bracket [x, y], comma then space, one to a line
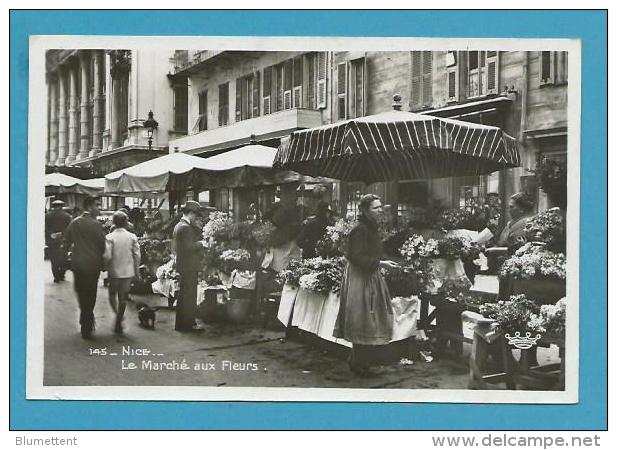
[53, 118]
[73, 113]
[84, 115]
[119, 71]
[98, 116]
[63, 142]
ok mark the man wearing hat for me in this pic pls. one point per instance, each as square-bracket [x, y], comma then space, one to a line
[56, 222]
[87, 237]
[188, 247]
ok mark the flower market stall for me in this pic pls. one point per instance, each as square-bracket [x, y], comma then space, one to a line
[401, 145]
[248, 166]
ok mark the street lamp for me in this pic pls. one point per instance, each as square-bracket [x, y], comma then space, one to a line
[150, 125]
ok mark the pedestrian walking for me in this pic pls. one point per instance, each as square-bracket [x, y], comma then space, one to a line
[56, 222]
[87, 238]
[365, 314]
[122, 257]
[188, 248]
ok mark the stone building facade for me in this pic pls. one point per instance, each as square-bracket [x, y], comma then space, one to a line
[97, 102]
[222, 98]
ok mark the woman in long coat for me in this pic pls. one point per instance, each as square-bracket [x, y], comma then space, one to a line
[365, 314]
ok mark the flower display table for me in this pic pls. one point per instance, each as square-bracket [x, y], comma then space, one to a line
[316, 313]
[506, 368]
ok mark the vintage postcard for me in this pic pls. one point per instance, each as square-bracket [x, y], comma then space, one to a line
[303, 219]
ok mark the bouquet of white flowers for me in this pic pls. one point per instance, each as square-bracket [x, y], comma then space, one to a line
[417, 247]
[532, 260]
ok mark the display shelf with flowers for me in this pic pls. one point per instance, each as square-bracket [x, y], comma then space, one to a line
[536, 272]
[549, 228]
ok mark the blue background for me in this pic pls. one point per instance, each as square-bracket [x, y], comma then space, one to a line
[589, 413]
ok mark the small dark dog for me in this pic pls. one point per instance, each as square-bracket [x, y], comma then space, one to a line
[146, 315]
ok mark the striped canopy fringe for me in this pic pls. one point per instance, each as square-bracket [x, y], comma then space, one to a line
[370, 150]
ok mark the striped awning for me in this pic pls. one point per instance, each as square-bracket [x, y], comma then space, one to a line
[398, 145]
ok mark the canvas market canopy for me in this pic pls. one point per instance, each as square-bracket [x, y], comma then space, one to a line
[398, 145]
[250, 165]
[58, 183]
[153, 175]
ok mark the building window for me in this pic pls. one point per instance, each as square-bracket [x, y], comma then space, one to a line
[181, 108]
[202, 119]
[351, 89]
[299, 82]
[553, 68]
[421, 79]
[247, 97]
[472, 74]
[223, 104]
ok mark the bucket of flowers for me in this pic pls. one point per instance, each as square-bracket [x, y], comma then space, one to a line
[323, 275]
[517, 314]
[554, 322]
[536, 272]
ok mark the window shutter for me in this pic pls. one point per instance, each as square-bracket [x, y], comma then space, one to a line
[341, 90]
[310, 81]
[427, 77]
[298, 75]
[256, 94]
[452, 81]
[288, 82]
[547, 75]
[267, 90]
[203, 110]
[492, 72]
[322, 69]
[561, 67]
[416, 80]
[279, 88]
[238, 99]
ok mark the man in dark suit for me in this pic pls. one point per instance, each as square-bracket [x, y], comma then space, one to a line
[56, 222]
[188, 247]
[87, 237]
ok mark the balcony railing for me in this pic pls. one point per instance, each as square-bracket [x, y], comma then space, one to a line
[194, 58]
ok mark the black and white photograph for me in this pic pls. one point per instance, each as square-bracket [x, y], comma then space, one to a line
[312, 219]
